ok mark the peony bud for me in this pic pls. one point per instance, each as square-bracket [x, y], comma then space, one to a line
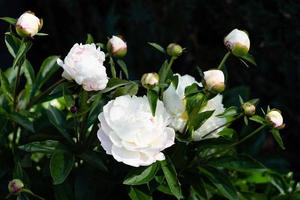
[74, 109]
[174, 49]
[214, 80]
[275, 118]
[116, 47]
[237, 42]
[149, 80]
[249, 109]
[28, 24]
[15, 186]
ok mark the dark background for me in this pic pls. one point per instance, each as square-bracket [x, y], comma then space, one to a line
[198, 25]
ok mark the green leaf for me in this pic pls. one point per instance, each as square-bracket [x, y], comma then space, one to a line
[196, 120]
[22, 120]
[131, 89]
[61, 164]
[24, 47]
[141, 175]
[229, 112]
[157, 47]
[242, 163]
[89, 39]
[29, 72]
[221, 182]
[47, 146]
[114, 83]
[258, 119]
[248, 57]
[277, 137]
[192, 89]
[56, 118]
[227, 132]
[123, 66]
[47, 69]
[42, 34]
[94, 159]
[69, 100]
[12, 43]
[9, 20]
[136, 194]
[152, 98]
[164, 73]
[5, 87]
[171, 177]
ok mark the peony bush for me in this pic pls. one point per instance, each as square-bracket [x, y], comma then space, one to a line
[97, 134]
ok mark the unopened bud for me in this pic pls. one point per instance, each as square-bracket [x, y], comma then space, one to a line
[74, 109]
[237, 42]
[28, 25]
[15, 186]
[214, 80]
[150, 80]
[275, 118]
[174, 49]
[116, 47]
[249, 109]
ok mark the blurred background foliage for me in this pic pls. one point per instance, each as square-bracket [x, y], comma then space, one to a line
[199, 26]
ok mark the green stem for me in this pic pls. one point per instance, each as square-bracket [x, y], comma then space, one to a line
[170, 63]
[112, 67]
[32, 194]
[220, 67]
[46, 92]
[83, 108]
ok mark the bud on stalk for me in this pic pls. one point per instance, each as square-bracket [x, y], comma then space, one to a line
[150, 80]
[249, 109]
[174, 50]
[275, 118]
[28, 25]
[116, 47]
[237, 42]
[214, 80]
[15, 186]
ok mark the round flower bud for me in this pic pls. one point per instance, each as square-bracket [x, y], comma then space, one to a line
[28, 25]
[15, 186]
[249, 109]
[275, 118]
[214, 80]
[237, 42]
[174, 49]
[84, 64]
[131, 134]
[116, 47]
[150, 80]
[74, 109]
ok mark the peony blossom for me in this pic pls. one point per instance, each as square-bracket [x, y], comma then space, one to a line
[174, 100]
[275, 118]
[238, 42]
[214, 80]
[117, 47]
[28, 25]
[130, 133]
[84, 64]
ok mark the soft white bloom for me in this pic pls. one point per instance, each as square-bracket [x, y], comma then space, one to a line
[28, 25]
[130, 133]
[84, 64]
[238, 42]
[214, 80]
[174, 100]
[275, 118]
[116, 46]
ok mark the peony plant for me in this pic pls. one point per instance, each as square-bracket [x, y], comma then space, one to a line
[95, 131]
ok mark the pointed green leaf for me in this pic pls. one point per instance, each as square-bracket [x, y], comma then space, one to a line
[152, 98]
[157, 47]
[141, 175]
[137, 194]
[61, 164]
[171, 177]
[5, 87]
[248, 57]
[277, 137]
[123, 66]
[9, 20]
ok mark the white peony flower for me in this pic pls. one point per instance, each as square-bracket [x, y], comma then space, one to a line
[28, 25]
[117, 47]
[214, 80]
[174, 100]
[84, 64]
[130, 133]
[275, 118]
[238, 42]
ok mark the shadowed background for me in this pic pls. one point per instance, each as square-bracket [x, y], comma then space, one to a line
[199, 26]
